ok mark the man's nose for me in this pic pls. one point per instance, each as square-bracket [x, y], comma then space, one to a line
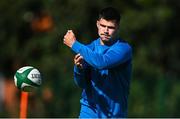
[106, 29]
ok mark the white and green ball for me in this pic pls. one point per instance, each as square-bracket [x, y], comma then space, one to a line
[27, 78]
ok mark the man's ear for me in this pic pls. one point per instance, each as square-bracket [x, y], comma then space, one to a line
[97, 23]
[117, 24]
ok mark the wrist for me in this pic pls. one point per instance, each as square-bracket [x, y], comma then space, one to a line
[72, 43]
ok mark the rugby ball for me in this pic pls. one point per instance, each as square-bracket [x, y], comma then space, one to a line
[27, 78]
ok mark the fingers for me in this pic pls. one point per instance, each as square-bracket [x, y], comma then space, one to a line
[69, 38]
[77, 56]
[79, 64]
[78, 59]
[69, 32]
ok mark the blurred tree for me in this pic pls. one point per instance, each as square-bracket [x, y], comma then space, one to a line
[31, 33]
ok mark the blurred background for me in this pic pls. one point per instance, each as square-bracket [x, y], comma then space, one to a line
[31, 33]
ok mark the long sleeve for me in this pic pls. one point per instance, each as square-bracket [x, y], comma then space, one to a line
[117, 54]
[79, 77]
[109, 73]
[82, 76]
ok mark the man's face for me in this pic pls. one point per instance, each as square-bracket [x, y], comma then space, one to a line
[106, 29]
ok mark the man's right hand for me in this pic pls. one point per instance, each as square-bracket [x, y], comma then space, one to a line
[69, 38]
[78, 61]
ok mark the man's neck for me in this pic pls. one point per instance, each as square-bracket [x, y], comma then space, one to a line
[108, 43]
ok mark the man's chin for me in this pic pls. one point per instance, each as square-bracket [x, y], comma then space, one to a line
[105, 39]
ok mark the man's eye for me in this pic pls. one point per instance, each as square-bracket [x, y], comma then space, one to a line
[111, 27]
[102, 25]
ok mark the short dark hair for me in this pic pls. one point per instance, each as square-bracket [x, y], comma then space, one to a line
[110, 13]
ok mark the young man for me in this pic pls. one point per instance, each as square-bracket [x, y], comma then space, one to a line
[103, 69]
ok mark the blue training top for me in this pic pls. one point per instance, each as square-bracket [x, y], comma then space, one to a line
[105, 78]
